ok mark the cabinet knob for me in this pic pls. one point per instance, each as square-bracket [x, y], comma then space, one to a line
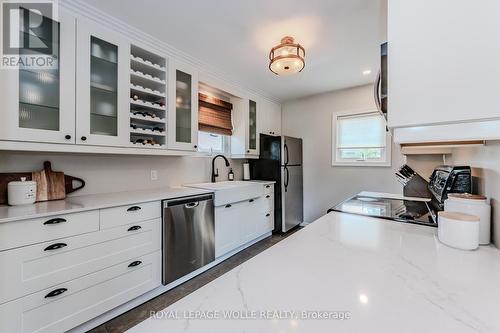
[195, 146]
[84, 138]
[67, 137]
[248, 151]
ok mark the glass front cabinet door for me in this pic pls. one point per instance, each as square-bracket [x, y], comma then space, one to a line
[252, 137]
[103, 82]
[38, 96]
[182, 107]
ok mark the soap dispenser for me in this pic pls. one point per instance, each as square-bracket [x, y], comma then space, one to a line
[230, 176]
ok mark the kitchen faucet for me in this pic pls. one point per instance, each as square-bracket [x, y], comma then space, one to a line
[215, 174]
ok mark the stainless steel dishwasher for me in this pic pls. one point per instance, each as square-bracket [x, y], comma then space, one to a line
[188, 235]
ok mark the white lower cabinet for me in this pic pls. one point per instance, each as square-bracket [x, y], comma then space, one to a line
[40, 266]
[66, 305]
[241, 222]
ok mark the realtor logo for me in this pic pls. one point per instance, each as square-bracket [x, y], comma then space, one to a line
[30, 35]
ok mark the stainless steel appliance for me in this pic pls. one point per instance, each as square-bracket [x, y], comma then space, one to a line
[449, 179]
[188, 235]
[381, 82]
[408, 211]
[281, 160]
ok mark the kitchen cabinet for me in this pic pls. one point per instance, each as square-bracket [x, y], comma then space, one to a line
[227, 227]
[442, 62]
[182, 107]
[39, 104]
[270, 118]
[245, 138]
[103, 81]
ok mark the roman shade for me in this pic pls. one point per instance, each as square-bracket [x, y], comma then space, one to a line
[214, 115]
[361, 131]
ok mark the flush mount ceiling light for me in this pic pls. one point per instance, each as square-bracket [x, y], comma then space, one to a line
[287, 58]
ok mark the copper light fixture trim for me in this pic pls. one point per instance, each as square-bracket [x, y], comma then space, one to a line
[288, 42]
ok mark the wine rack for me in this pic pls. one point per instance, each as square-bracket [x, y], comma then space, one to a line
[148, 111]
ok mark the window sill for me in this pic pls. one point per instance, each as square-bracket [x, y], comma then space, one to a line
[363, 164]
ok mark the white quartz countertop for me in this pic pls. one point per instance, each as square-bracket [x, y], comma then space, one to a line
[93, 201]
[389, 276]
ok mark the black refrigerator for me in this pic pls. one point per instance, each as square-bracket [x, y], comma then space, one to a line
[280, 160]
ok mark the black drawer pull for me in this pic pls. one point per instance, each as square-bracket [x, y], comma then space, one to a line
[55, 246]
[268, 196]
[267, 215]
[268, 186]
[56, 292]
[251, 200]
[133, 209]
[135, 263]
[134, 228]
[55, 221]
[229, 206]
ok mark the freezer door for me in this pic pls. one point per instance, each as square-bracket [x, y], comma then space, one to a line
[292, 197]
[292, 151]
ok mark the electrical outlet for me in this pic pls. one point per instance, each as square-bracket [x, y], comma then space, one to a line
[154, 174]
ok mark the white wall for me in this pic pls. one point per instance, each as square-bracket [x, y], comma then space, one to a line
[115, 173]
[325, 185]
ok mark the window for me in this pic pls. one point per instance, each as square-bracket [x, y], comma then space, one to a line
[211, 142]
[360, 139]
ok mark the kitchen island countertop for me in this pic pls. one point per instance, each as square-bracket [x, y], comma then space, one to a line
[382, 276]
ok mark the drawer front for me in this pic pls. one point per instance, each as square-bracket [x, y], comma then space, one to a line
[37, 267]
[112, 217]
[268, 222]
[268, 188]
[32, 231]
[84, 298]
[227, 227]
[268, 202]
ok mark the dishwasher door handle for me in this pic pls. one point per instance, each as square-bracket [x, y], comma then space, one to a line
[192, 205]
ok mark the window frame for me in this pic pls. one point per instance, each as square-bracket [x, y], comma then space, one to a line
[225, 145]
[337, 161]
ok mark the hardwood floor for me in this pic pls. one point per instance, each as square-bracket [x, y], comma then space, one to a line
[140, 313]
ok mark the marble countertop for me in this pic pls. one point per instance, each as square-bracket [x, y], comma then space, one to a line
[92, 201]
[382, 275]
[391, 196]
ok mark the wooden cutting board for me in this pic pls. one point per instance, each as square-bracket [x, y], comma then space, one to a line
[5, 178]
[49, 184]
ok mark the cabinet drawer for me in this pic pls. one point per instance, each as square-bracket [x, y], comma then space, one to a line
[268, 202]
[112, 217]
[83, 299]
[37, 267]
[32, 231]
[268, 188]
[268, 222]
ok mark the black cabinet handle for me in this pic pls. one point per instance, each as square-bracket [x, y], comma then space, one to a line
[133, 209]
[134, 228]
[251, 200]
[84, 138]
[55, 246]
[56, 292]
[268, 186]
[268, 196]
[57, 220]
[229, 206]
[267, 215]
[135, 263]
[67, 137]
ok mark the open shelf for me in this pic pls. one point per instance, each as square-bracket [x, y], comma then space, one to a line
[148, 91]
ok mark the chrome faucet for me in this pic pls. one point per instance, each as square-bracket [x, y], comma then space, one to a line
[215, 173]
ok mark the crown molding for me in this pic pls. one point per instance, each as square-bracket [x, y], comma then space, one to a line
[89, 12]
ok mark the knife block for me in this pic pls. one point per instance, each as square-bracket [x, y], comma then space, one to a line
[417, 187]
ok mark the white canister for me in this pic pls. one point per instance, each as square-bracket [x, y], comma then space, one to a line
[458, 230]
[472, 204]
[246, 171]
[21, 192]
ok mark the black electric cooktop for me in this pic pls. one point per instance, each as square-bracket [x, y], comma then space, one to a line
[407, 211]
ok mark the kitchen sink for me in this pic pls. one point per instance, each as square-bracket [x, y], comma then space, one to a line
[232, 191]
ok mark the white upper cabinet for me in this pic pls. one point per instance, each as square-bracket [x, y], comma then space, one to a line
[182, 107]
[444, 61]
[245, 138]
[269, 118]
[103, 81]
[39, 104]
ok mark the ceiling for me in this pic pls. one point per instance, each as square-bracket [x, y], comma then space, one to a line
[341, 37]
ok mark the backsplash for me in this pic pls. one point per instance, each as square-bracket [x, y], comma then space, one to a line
[118, 173]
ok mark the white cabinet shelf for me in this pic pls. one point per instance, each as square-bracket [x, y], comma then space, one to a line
[140, 63]
[147, 105]
[147, 132]
[147, 119]
[148, 91]
[146, 77]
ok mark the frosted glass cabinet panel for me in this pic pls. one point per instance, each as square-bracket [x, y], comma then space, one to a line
[38, 102]
[182, 107]
[252, 125]
[103, 80]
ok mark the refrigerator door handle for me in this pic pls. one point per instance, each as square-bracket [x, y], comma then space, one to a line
[287, 178]
[286, 153]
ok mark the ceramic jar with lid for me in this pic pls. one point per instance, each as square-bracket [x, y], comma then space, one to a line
[458, 230]
[21, 192]
[472, 204]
